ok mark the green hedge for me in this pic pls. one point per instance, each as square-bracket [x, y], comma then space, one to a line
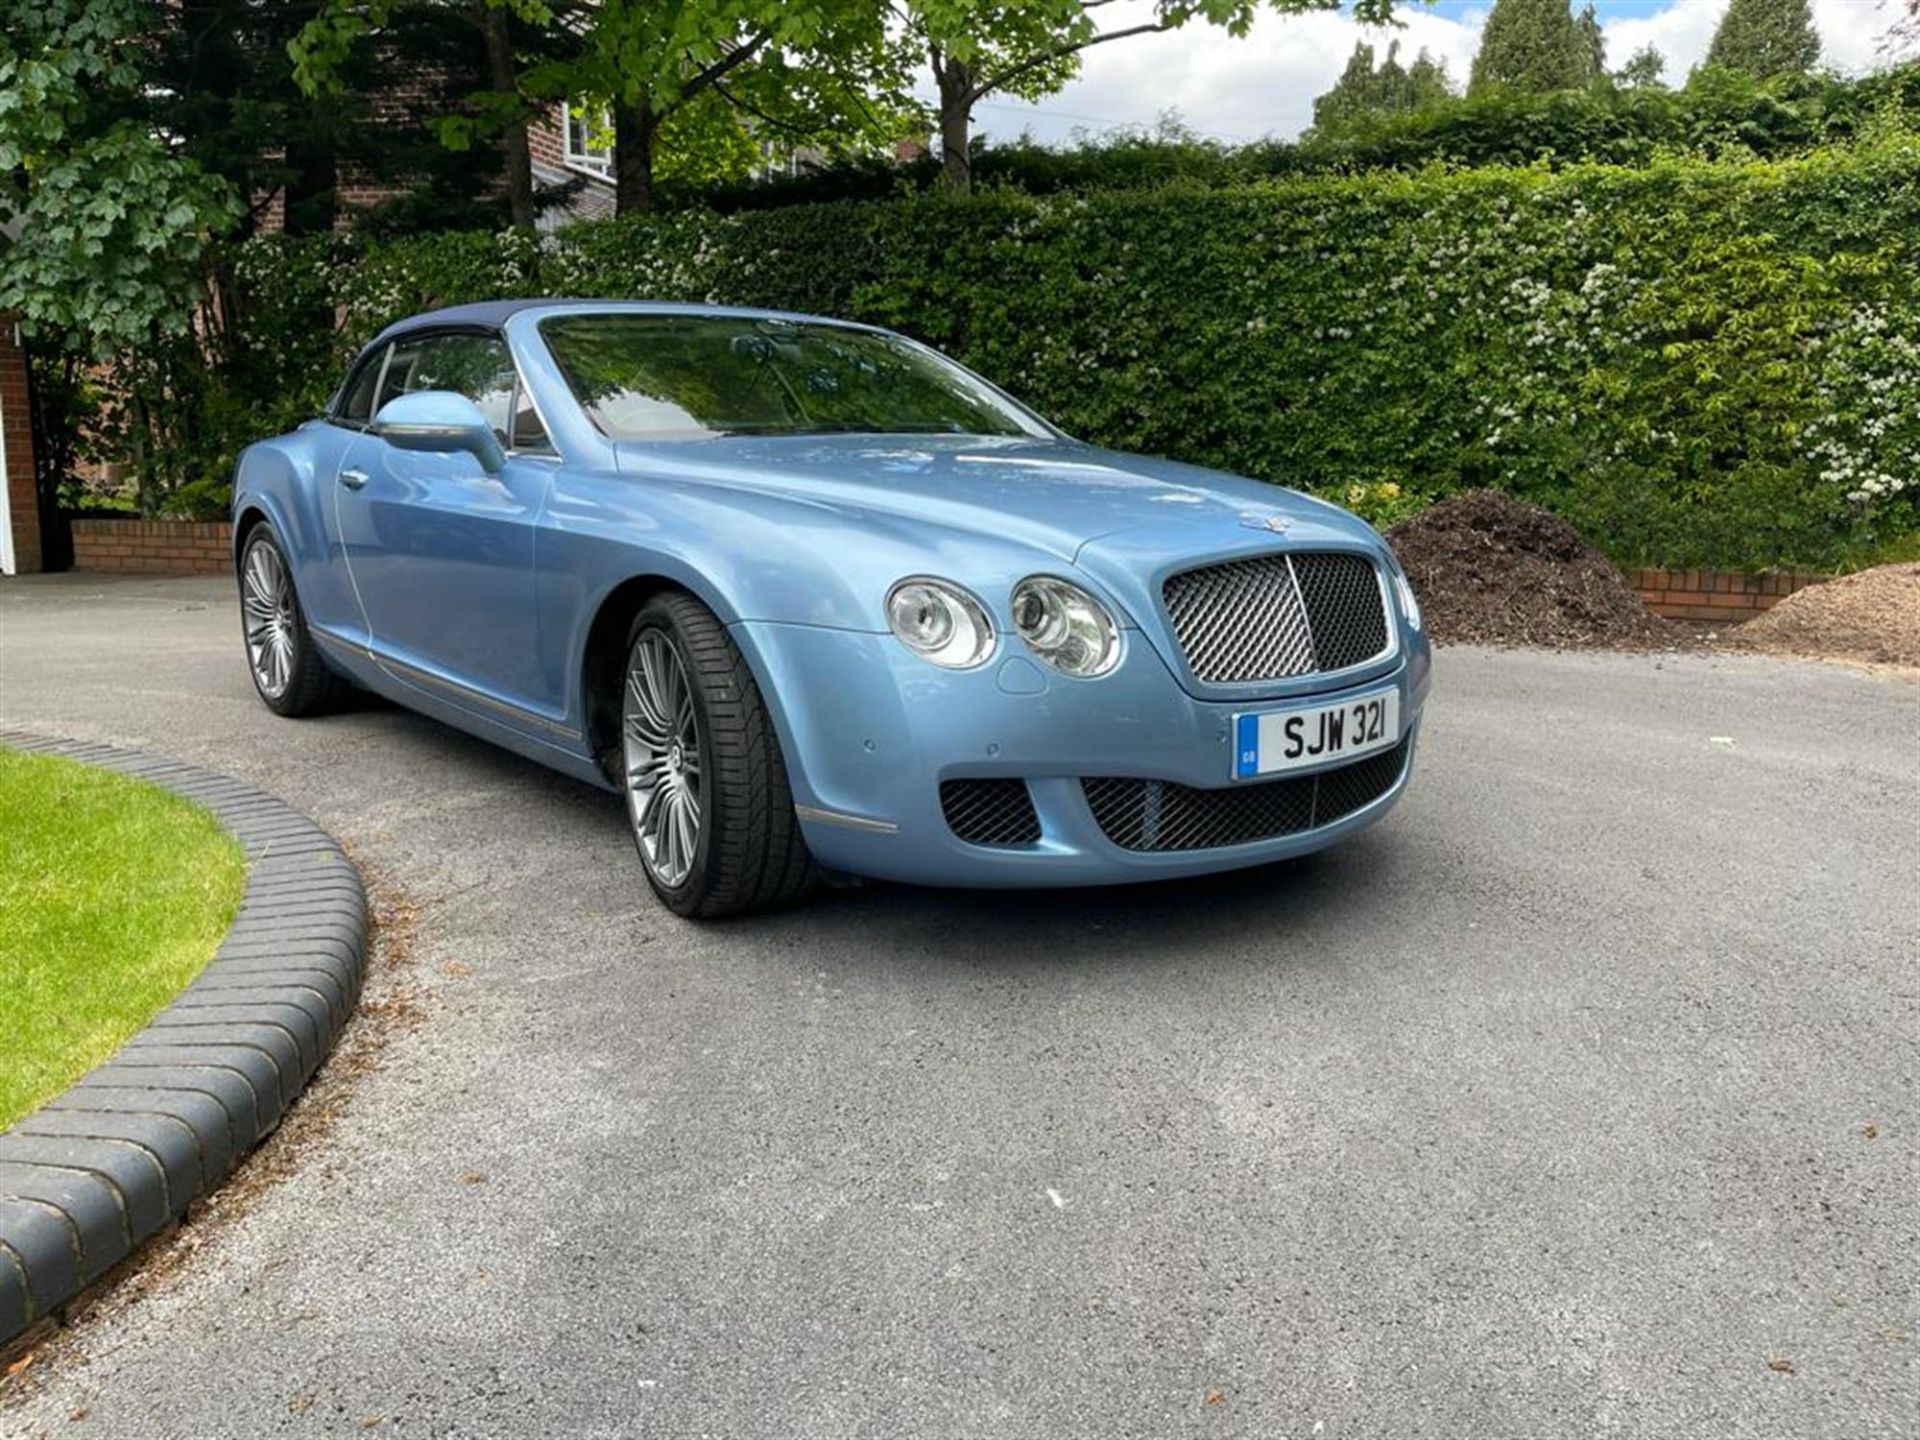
[1697, 363]
[1718, 114]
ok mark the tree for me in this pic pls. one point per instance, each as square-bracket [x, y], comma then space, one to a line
[1532, 46]
[1362, 90]
[480, 95]
[1593, 43]
[824, 70]
[1764, 38]
[1643, 70]
[109, 219]
[1030, 48]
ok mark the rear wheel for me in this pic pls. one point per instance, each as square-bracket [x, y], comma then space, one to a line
[286, 666]
[705, 781]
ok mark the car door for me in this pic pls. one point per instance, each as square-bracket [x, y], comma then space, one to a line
[313, 538]
[441, 552]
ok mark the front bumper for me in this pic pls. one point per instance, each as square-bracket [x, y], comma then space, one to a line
[869, 732]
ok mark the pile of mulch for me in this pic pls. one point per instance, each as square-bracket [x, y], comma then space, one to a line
[1493, 570]
[1873, 615]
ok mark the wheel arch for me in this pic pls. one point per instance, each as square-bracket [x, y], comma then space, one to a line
[251, 515]
[603, 657]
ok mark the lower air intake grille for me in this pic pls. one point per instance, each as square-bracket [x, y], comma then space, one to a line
[990, 812]
[1160, 815]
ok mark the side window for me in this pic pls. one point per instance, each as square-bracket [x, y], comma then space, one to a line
[476, 366]
[528, 432]
[356, 402]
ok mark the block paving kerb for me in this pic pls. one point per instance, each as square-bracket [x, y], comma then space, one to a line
[89, 1176]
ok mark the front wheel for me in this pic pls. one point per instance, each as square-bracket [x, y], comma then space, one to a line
[706, 784]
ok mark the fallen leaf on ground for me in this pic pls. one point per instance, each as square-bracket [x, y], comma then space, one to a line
[472, 1177]
[1216, 1397]
[457, 969]
[17, 1366]
[1782, 1365]
[1870, 1130]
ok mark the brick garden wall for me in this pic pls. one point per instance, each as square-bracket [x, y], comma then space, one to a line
[1723, 595]
[153, 547]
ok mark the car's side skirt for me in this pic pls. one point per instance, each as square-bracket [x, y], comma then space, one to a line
[538, 737]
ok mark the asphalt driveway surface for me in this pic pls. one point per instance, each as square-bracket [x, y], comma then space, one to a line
[1572, 1100]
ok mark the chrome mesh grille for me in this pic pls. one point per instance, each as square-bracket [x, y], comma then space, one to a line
[1344, 608]
[1160, 815]
[1273, 617]
[990, 812]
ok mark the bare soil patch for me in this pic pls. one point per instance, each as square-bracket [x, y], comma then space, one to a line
[1493, 570]
[1872, 616]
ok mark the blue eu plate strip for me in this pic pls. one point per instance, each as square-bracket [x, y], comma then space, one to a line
[1246, 760]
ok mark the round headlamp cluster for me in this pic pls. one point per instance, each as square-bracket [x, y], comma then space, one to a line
[1065, 626]
[1062, 624]
[940, 622]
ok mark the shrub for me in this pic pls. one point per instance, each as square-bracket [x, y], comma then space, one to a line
[1698, 363]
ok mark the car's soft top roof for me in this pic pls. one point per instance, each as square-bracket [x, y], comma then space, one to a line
[491, 314]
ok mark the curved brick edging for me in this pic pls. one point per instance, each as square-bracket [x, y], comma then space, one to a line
[90, 1175]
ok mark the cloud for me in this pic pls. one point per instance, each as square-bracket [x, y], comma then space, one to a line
[1850, 33]
[1265, 83]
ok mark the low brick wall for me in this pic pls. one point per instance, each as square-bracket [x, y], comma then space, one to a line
[153, 547]
[1725, 595]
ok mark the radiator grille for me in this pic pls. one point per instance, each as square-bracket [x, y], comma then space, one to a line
[990, 812]
[1160, 815]
[1273, 617]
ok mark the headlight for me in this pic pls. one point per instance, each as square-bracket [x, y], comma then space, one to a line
[1065, 626]
[1409, 606]
[940, 622]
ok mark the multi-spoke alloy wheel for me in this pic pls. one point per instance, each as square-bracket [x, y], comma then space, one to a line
[266, 602]
[706, 783]
[287, 669]
[660, 738]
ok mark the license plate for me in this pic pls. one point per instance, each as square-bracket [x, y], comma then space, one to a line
[1270, 741]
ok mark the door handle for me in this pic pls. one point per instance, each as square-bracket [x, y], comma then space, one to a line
[353, 479]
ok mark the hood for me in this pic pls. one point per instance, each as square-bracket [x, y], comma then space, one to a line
[1054, 495]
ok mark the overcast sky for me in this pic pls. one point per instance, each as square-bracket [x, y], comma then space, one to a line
[1265, 83]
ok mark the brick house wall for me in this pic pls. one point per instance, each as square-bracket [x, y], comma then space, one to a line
[22, 496]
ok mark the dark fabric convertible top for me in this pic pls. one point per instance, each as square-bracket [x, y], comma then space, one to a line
[490, 313]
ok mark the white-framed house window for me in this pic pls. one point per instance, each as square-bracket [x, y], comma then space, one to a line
[590, 140]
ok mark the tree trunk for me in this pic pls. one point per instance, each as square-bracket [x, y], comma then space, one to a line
[956, 123]
[634, 124]
[513, 140]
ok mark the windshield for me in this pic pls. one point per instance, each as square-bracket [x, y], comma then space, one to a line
[678, 377]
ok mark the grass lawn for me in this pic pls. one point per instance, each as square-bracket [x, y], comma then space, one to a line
[113, 894]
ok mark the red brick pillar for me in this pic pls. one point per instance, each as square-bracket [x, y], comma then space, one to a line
[16, 445]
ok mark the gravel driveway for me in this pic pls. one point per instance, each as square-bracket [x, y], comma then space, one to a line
[1573, 1100]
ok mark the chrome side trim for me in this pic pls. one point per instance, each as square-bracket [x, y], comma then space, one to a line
[451, 689]
[852, 822]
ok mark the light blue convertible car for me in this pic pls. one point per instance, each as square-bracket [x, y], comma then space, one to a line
[816, 599]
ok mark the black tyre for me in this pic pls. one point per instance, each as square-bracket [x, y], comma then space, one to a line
[706, 785]
[287, 670]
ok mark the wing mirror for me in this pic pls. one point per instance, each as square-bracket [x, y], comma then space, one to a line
[440, 423]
